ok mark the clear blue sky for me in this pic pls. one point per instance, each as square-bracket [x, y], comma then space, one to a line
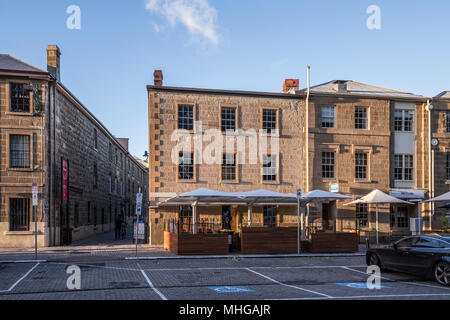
[226, 44]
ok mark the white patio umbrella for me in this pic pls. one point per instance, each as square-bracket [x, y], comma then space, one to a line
[378, 197]
[444, 197]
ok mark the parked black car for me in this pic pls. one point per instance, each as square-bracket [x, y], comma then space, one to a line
[425, 256]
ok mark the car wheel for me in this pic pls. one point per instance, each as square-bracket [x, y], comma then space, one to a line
[374, 260]
[441, 273]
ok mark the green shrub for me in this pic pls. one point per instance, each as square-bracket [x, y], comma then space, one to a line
[445, 224]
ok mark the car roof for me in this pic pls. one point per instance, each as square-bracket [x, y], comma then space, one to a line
[446, 239]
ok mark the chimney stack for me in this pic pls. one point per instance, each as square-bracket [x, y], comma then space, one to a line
[53, 61]
[340, 86]
[290, 84]
[158, 78]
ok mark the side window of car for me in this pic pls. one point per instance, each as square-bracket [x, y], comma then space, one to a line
[407, 243]
[429, 243]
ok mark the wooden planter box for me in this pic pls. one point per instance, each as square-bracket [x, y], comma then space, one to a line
[268, 240]
[196, 244]
[323, 242]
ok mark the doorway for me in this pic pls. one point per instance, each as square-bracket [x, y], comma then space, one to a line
[226, 217]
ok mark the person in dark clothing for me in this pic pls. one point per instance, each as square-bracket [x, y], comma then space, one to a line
[124, 229]
[118, 224]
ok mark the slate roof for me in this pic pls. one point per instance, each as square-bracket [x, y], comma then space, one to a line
[10, 63]
[358, 88]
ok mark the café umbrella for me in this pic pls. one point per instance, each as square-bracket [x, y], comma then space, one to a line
[378, 197]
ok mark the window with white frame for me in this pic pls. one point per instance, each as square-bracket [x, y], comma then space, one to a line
[328, 165]
[228, 119]
[403, 167]
[229, 167]
[404, 120]
[186, 117]
[361, 118]
[269, 120]
[269, 168]
[328, 117]
[361, 165]
[186, 166]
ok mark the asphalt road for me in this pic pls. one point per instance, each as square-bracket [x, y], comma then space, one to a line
[212, 279]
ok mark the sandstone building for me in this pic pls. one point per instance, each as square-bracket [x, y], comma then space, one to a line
[360, 138]
[86, 177]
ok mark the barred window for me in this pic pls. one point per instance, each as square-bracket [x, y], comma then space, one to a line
[403, 167]
[19, 214]
[362, 213]
[186, 166]
[328, 165]
[95, 176]
[448, 167]
[20, 98]
[328, 117]
[19, 151]
[270, 216]
[269, 168]
[402, 217]
[360, 118]
[229, 167]
[186, 117]
[361, 165]
[228, 115]
[404, 120]
[269, 120]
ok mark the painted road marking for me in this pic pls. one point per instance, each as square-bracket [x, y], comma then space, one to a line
[368, 296]
[230, 289]
[358, 285]
[23, 277]
[245, 268]
[287, 285]
[150, 283]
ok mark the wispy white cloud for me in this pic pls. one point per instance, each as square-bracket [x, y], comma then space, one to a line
[198, 16]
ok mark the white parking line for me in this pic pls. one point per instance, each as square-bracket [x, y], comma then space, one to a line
[374, 296]
[23, 277]
[244, 268]
[287, 285]
[150, 283]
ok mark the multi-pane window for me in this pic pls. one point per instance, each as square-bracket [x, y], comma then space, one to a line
[328, 113]
[19, 214]
[404, 120]
[362, 213]
[186, 166]
[19, 151]
[403, 167]
[269, 168]
[360, 118]
[392, 217]
[270, 216]
[361, 165]
[229, 167]
[448, 167]
[328, 165]
[402, 217]
[20, 98]
[186, 117]
[228, 117]
[95, 139]
[269, 120]
[185, 212]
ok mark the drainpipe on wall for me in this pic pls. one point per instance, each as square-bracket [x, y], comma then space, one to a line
[429, 108]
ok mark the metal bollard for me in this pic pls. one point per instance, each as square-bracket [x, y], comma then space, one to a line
[367, 244]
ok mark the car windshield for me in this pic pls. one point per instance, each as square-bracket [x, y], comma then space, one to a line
[427, 242]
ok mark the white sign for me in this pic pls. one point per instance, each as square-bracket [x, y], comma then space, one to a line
[138, 204]
[35, 194]
[140, 230]
[334, 187]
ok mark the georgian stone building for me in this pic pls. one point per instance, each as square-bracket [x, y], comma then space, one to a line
[360, 138]
[86, 177]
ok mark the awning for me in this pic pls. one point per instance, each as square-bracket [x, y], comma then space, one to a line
[378, 197]
[408, 194]
[444, 197]
[322, 196]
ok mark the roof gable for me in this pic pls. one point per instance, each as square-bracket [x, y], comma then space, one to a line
[10, 63]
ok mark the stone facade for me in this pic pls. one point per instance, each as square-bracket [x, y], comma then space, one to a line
[103, 176]
[378, 142]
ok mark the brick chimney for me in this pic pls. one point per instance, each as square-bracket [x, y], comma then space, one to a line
[158, 78]
[289, 84]
[53, 61]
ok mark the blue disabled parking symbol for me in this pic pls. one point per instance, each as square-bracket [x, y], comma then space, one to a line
[357, 285]
[229, 289]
